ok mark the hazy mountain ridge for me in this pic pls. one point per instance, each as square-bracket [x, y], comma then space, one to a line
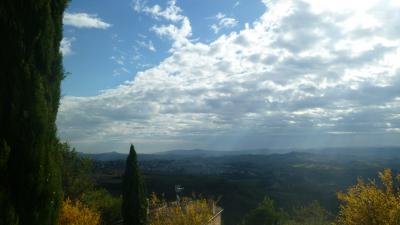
[380, 152]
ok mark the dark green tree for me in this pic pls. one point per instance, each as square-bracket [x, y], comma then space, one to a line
[31, 72]
[266, 214]
[312, 214]
[134, 203]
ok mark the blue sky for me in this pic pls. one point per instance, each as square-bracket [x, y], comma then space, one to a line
[230, 74]
[98, 53]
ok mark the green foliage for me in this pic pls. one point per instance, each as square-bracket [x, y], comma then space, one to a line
[103, 202]
[4, 156]
[134, 204]
[265, 214]
[31, 72]
[312, 214]
[75, 172]
[7, 211]
[79, 185]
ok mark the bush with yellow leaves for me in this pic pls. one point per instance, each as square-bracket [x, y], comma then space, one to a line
[370, 203]
[196, 211]
[75, 213]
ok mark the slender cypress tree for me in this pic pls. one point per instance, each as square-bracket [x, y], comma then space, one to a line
[30, 77]
[134, 203]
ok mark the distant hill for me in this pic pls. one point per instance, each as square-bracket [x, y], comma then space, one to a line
[106, 156]
[362, 152]
[367, 152]
[179, 154]
[214, 153]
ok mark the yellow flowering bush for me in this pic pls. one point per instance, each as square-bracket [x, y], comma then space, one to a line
[370, 203]
[187, 211]
[75, 213]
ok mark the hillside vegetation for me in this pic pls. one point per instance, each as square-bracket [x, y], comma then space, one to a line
[294, 181]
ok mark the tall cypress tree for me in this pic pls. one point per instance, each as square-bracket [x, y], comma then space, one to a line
[134, 203]
[31, 72]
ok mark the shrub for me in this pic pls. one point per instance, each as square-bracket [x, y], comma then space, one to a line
[196, 211]
[370, 203]
[75, 213]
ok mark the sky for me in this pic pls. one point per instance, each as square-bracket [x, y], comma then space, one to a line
[230, 74]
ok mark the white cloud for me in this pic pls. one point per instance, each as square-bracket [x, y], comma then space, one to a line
[120, 60]
[66, 46]
[179, 35]
[84, 20]
[148, 45]
[223, 22]
[171, 12]
[220, 16]
[178, 30]
[299, 76]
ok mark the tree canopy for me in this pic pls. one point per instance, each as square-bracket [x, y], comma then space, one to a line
[265, 214]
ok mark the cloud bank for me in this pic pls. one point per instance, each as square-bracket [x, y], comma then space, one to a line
[305, 74]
